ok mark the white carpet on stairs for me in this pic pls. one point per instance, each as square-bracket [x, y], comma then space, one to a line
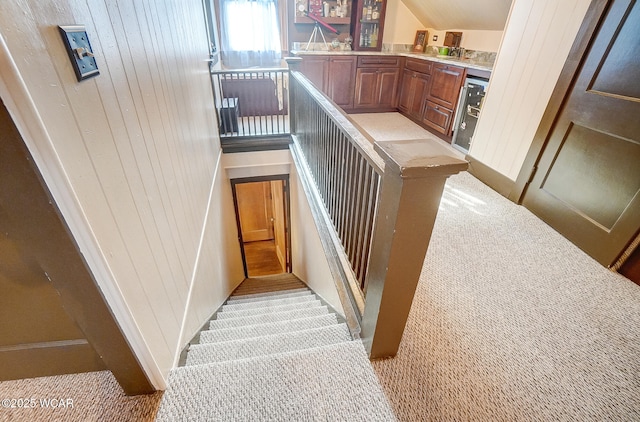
[267, 345]
[330, 383]
[269, 302]
[274, 317]
[257, 330]
[262, 296]
[267, 310]
[275, 357]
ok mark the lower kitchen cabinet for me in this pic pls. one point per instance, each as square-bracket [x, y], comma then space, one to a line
[441, 102]
[413, 93]
[376, 88]
[424, 90]
[333, 75]
[437, 117]
[316, 69]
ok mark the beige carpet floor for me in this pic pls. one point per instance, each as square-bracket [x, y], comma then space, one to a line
[511, 322]
[90, 397]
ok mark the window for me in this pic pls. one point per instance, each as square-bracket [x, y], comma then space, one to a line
[249, 33]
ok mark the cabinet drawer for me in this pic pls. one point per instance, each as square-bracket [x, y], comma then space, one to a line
[378, 61]
[422, 66]
[437, 117]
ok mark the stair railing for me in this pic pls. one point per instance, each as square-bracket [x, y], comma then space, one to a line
[375, 204]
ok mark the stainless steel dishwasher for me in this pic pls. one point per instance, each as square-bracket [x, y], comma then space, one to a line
[471, 98]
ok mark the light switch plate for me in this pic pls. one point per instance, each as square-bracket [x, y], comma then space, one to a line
[79, 49]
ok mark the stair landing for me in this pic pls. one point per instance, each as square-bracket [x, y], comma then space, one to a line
[273, 283]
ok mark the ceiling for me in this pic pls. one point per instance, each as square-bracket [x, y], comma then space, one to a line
[461, 14]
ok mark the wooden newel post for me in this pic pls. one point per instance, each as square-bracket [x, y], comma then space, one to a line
[293, 62]
[412, 185]
[294, 65]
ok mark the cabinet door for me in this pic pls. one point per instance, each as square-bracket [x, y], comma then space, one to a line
[366, 95]
[413, 92]
[340, 80]
[387, 87]
[445, 84]
[437, 117]
[406, 91]
[316, 69]
[376, 88]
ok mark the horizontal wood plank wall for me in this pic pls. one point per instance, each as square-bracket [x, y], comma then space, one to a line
[138, 143]
[536, 42]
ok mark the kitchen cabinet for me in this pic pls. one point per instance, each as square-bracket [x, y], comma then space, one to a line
[414, 87]
[316, 69]
[367, 24]
[333, 75]
[446, 82]
[437, 117]
[429, 93]
[376, 83]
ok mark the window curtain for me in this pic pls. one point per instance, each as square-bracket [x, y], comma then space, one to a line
[249, 33]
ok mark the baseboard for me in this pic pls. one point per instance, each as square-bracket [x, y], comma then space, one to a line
[490, 177]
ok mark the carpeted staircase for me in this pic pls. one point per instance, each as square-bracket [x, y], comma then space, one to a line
[280, 356]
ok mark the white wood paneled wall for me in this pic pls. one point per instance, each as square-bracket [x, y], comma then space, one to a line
[138, 148]
[536, 43]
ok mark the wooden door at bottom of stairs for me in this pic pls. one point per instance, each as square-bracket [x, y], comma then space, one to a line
[255, 211]
[587, 183]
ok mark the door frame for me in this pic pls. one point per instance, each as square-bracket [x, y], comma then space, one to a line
[577, 55]
[287, 211]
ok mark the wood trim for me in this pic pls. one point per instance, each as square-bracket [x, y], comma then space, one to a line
[266, 178]
[39, 227]
[490, 177]
[577, 54]
[47, 359]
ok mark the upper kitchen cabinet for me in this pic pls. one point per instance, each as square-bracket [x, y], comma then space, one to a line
[367, 24]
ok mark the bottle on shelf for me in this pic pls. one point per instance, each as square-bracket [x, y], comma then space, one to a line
[374, 37]
[375, 14]
[369, 11]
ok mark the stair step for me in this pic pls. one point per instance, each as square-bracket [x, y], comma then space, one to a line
[259, 330]
[268, 302]
[200, 354]
[268, 310]
[329, 383]
[271, 295]
[273, 317]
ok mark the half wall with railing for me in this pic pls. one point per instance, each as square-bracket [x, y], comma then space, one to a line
[374, 203]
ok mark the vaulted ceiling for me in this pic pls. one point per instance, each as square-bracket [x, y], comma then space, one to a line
[460, 14]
